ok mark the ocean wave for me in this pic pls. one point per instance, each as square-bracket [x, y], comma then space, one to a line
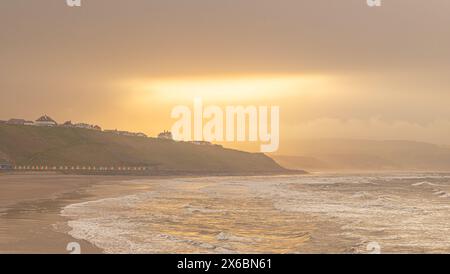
[267, 214]
[425, 184]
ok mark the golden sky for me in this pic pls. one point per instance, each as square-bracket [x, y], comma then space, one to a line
[337, 69]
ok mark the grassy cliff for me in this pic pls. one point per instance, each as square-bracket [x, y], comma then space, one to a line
[29, 145]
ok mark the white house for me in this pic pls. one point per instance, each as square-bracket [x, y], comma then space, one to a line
[140, 134]
[45, 121]
[126, 133]
[201, 143]
[83, 125]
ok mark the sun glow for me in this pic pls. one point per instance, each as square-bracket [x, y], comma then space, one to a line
[231, 88]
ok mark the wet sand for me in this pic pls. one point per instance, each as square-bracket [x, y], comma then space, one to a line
[30, 206]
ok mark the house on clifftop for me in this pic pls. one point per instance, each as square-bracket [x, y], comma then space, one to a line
[45, 121]
[15, 121]
[165, 135]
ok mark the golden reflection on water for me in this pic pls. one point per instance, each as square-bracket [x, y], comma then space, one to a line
[232, 222]
[307, 214]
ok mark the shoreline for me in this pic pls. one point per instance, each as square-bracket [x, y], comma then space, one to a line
[30, 209]
[31, 206]
[32, 218]
[159, 174]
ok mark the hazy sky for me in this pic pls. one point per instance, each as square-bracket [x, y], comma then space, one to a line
[336, 68]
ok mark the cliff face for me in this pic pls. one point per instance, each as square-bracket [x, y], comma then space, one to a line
[45, 146]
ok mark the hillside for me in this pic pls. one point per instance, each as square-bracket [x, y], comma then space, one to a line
[29, 145]
[365, 155]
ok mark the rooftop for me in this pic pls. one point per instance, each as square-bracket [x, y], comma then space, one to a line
[45, 118]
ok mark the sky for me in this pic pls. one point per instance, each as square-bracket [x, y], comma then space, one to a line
[337, 69]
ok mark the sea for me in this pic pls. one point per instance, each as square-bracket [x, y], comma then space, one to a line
[318, 213]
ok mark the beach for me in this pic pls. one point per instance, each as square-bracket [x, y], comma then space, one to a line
[317, 213]
[30, 206]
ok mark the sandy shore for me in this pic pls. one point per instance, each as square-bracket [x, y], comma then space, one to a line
[30, 206]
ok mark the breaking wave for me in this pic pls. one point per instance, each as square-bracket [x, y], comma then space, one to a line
[279, 214]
